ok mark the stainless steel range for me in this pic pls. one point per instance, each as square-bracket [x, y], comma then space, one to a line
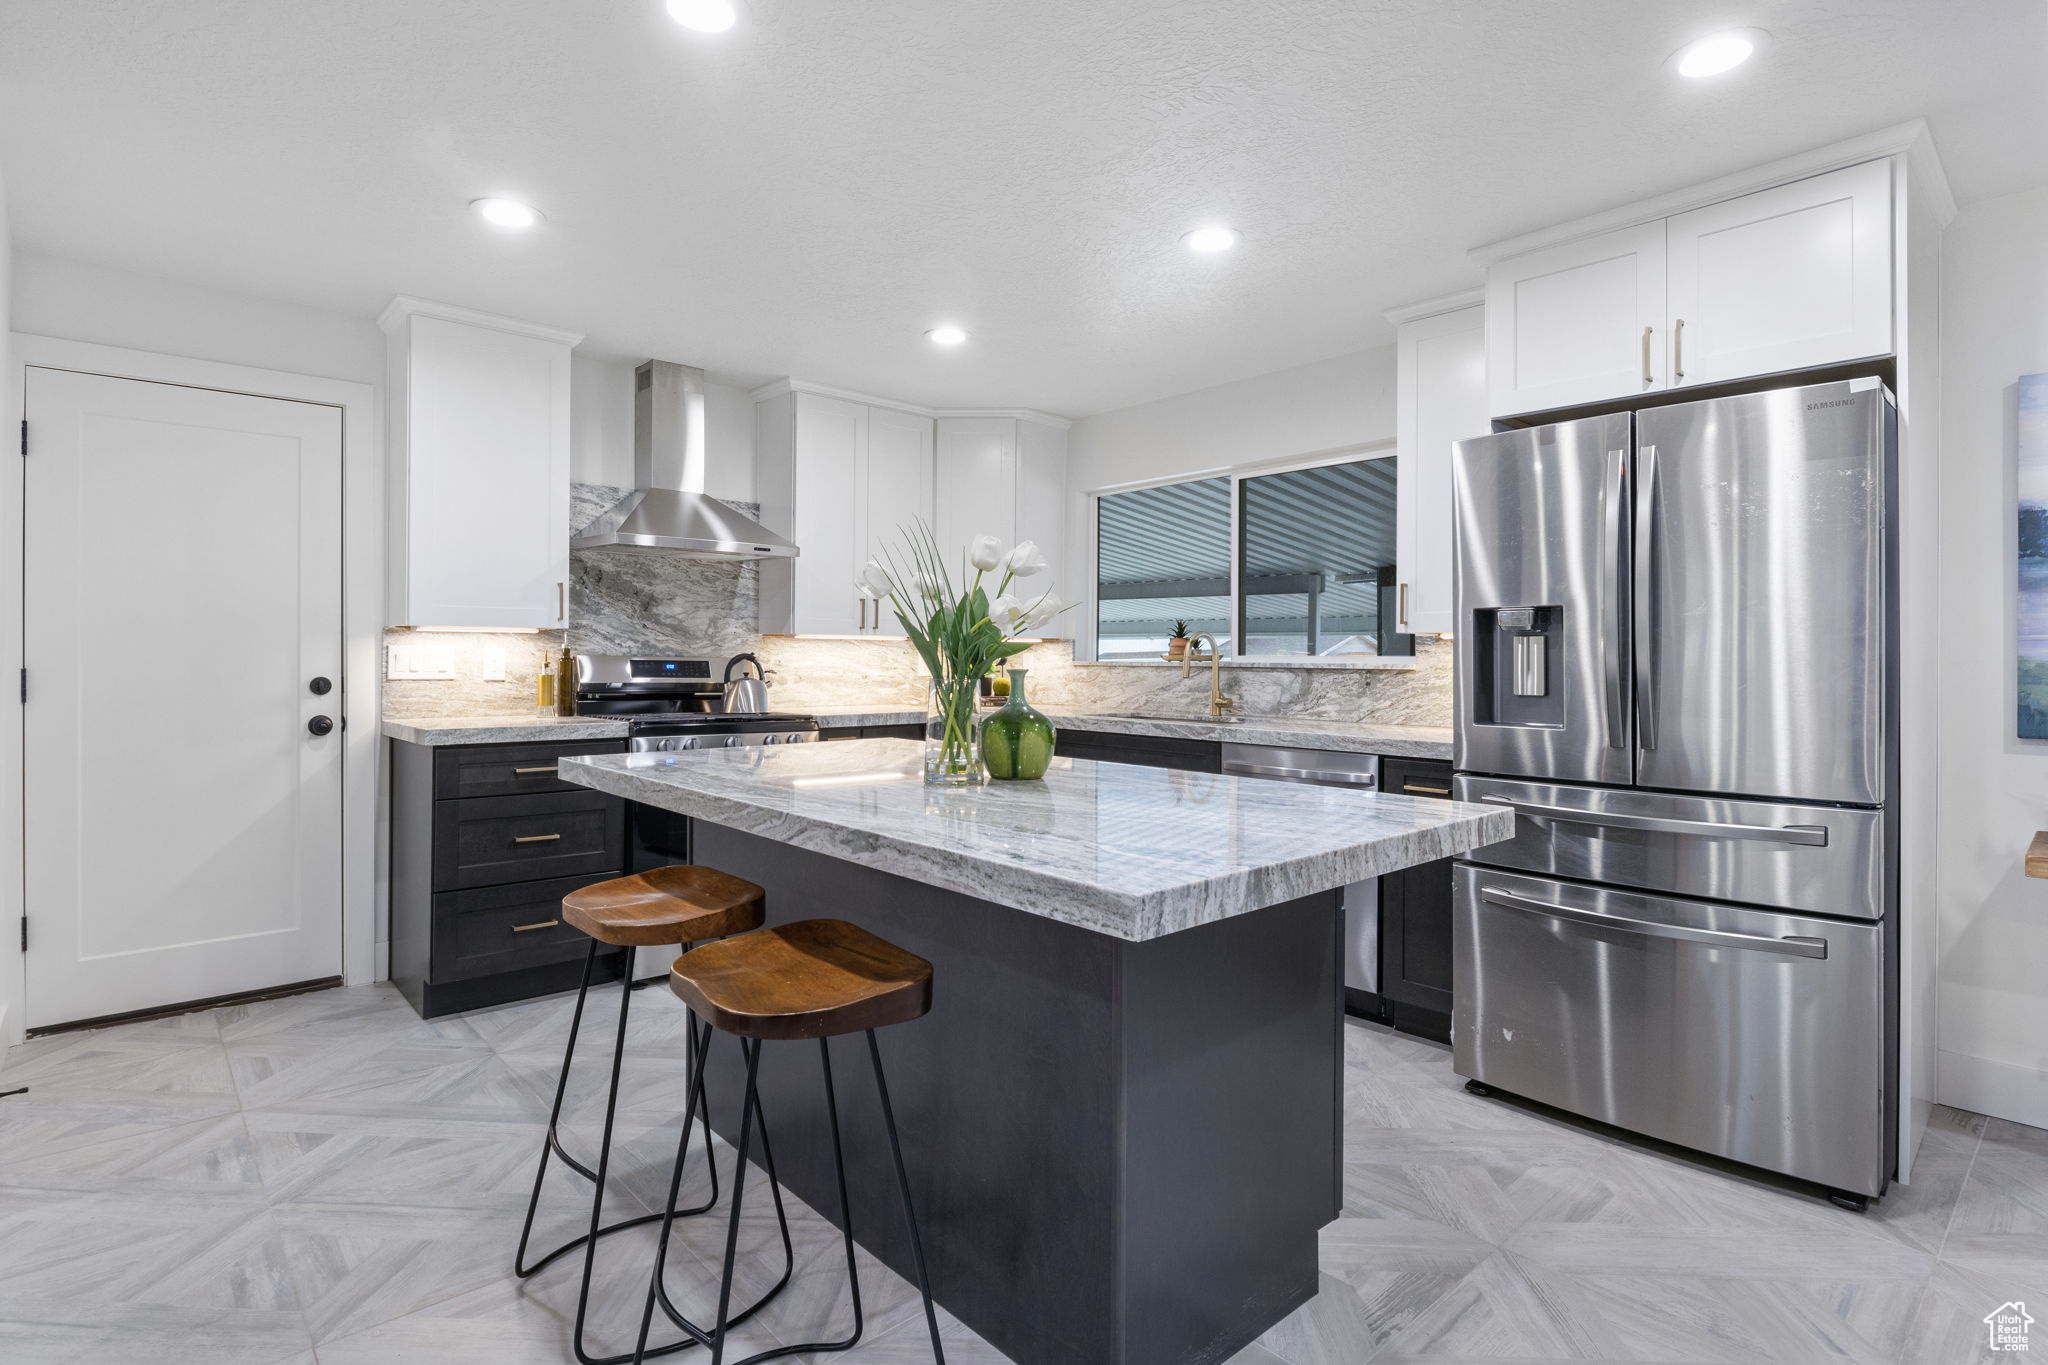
[1676, 655]
[670, 704]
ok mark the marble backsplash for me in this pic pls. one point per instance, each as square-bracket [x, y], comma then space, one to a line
[648, 602]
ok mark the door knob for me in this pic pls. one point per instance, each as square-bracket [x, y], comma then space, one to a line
[320, 687]
[321, 725]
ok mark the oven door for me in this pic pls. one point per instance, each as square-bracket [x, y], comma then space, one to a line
[1752, 1035]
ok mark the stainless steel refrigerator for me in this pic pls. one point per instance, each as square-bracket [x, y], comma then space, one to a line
[1675, 649]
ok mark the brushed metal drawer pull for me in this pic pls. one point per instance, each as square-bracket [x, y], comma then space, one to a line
[535, 838]
[1426, 791]
[522, 772]
[1811, 836]
[544, 924]
[1789, 946]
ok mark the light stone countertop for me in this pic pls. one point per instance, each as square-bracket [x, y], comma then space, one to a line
[1133, 852]
[1341, 736]
[527, 729]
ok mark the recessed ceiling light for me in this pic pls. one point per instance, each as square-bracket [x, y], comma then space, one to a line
[946, 336]
[1210, 240]
[705, 16]
[506, 213]
[1717, 52]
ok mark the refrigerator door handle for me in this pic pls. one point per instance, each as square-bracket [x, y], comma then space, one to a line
[1812, 836]
[1713, 938]
[1614, 601]
[1646, 596]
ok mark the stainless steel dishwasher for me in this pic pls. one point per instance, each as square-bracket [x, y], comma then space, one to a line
[1361, 900]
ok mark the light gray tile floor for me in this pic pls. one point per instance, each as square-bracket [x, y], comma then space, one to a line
[328, 1180]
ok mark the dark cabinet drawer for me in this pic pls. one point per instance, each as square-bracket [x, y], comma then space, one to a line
[497, 839]
[495, 929]
[1416, 777]
[509, 769]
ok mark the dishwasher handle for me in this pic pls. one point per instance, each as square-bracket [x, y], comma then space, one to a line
[1321, 777]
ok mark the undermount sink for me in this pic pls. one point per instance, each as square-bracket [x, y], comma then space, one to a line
[1178, 720]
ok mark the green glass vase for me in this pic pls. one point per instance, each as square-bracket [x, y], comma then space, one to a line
[1017, 741]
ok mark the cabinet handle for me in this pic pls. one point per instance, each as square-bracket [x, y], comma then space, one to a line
[1425, 791]
[529, 928]
[561, 602]
[1678, 349]
[521, 772]
[535, 838]
[1648, 378]
[1401, 607]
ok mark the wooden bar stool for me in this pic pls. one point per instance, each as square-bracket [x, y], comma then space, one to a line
[817, 979]
[666, 906]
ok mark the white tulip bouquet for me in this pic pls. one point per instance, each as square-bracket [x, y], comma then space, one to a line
[960, 632]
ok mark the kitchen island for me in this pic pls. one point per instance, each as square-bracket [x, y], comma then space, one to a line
[1122, 1116]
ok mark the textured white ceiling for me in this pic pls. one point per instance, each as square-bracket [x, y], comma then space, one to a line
[812, 191]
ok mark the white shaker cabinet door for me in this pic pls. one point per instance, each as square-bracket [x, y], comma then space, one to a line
[977, 482]
[480, 460]
[1442, 366]
[1784, 279]
[1581, 322]
[831, 452]
[896, 494]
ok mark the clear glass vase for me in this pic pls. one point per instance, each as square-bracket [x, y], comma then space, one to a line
[952, 733]
[1017, 741]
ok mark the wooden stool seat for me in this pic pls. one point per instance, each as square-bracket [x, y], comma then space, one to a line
[816, 978]
[665, 905]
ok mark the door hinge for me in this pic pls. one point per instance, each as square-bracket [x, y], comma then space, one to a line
[24, 686]
[24, 435]
[24, 933]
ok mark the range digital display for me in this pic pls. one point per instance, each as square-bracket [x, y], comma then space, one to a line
[669, 668]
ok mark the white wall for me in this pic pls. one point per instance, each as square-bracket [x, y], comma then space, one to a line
[1993, 988]
[10, 659]
[601, 429]
[78, 302]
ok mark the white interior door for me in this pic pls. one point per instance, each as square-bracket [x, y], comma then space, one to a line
[182, 589]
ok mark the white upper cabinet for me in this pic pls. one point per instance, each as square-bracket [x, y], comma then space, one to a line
[1005, 476]
[1784, 279]
[479, 460]
[837, 476]
[1576, 323]
[1442, 400]
[1788, 278]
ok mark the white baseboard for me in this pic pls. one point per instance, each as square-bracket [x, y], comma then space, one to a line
[2004, 1090]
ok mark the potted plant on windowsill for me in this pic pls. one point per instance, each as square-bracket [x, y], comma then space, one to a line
[959, 632]
[1177, 647]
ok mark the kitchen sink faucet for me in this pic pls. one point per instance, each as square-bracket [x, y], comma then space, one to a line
[1218, 703]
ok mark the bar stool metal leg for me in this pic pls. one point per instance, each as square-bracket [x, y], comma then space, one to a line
[924, 1286]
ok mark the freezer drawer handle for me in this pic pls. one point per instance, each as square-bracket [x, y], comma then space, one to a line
[1713, 938]
[1814, 836]
[1303, 775]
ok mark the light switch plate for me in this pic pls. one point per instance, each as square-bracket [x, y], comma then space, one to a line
[494, 665]
[421, 663]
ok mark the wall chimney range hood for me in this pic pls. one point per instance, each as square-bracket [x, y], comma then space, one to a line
[668, 509]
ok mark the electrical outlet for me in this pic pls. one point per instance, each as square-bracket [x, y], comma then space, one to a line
[421, 663]
[494, 665]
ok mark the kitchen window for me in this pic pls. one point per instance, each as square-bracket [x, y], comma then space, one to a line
[1275, 563]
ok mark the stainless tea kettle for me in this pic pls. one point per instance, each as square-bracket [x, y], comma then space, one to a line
[745, 696]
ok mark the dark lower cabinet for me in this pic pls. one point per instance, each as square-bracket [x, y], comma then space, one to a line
[486, 839]
[1154, 751]
[872, 732]
[1415, 918]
